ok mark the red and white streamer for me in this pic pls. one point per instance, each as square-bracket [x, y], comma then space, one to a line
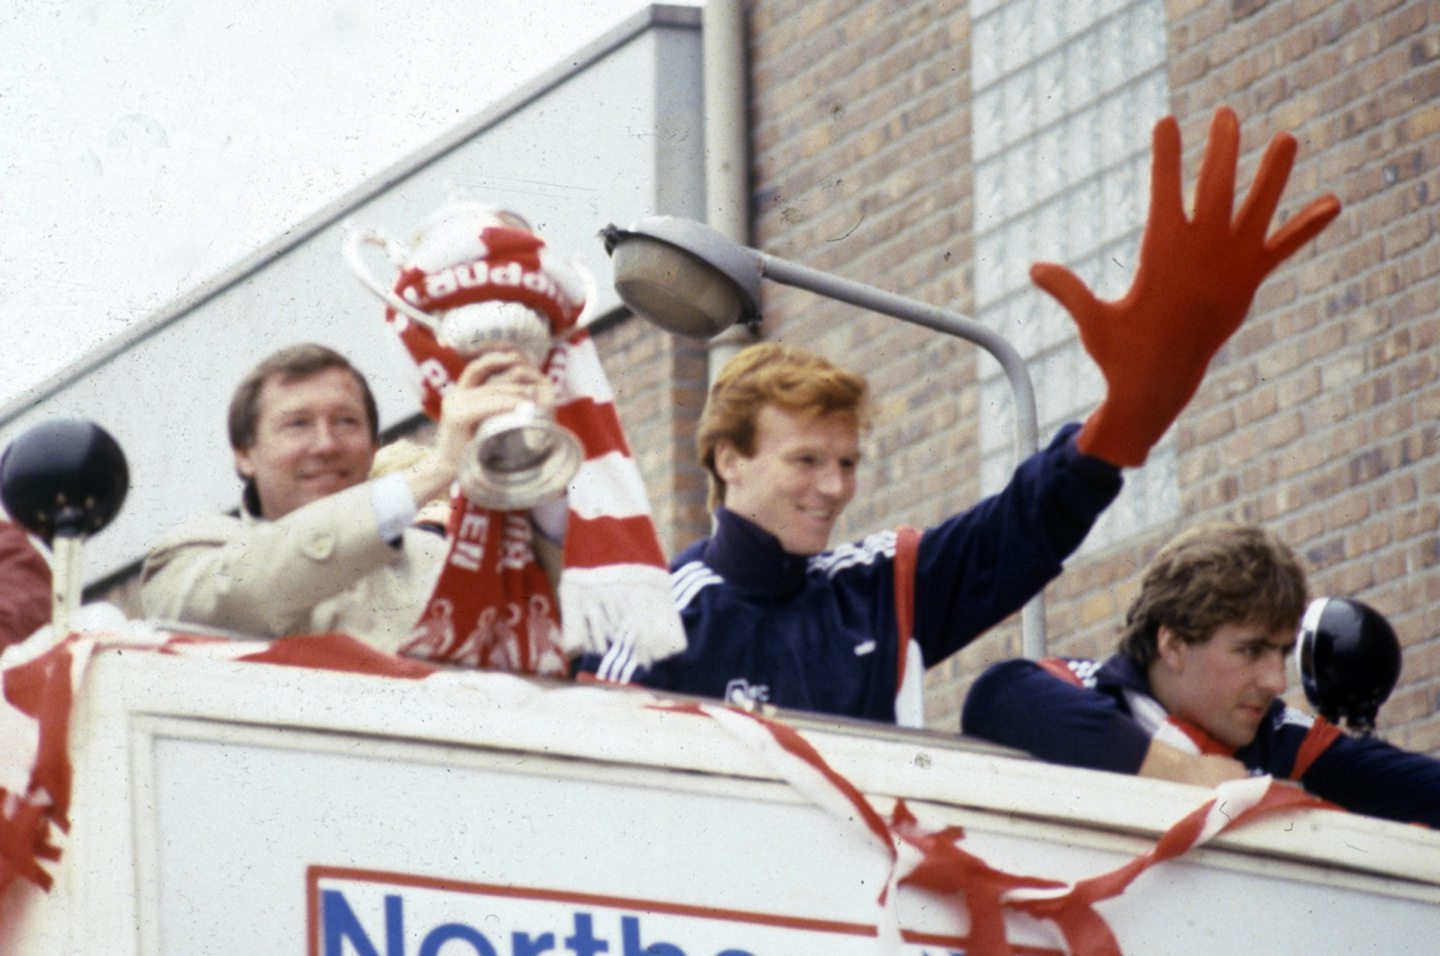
[40, 683]
[932, 859]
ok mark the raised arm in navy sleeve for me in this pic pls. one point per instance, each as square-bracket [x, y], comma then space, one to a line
[981, 566]
[1019, 704]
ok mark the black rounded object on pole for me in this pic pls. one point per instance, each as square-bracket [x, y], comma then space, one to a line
[63, 478]
[1349, 661]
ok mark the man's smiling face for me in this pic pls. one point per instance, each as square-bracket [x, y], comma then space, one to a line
[312, 439]
[799, 478]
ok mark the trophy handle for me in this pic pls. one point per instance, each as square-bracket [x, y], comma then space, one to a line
[355, 238]
[592, 305]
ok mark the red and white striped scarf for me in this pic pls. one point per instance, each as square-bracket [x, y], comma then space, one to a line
[493, 605]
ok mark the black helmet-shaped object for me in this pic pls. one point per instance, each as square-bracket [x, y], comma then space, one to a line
[1349, 661]
[63, 478]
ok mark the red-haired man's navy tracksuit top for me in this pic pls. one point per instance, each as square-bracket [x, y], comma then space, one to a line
[819, 633]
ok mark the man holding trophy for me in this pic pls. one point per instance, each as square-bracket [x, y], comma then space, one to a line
[493, 321]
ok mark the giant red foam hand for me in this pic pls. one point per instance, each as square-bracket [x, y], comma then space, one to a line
[1196, 279]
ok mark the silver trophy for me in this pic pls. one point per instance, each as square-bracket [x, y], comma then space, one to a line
[519, 459]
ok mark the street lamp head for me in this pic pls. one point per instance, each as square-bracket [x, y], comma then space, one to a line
[684, 276]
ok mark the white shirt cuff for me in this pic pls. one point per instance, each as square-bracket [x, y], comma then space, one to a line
[394, 505]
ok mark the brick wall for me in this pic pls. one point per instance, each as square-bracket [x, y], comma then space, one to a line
[1317, 420]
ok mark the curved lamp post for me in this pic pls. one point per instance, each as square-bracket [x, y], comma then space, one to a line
[688, 278]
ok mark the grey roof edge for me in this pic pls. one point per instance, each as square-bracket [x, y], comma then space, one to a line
[656, 15]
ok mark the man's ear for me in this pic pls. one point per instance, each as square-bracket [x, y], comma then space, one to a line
[243, 464]
[1168, 646]
[726, 458]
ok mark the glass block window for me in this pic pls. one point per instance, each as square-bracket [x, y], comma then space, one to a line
[1065, 98]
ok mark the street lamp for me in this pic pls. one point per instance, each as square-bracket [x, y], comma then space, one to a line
[688, 278]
